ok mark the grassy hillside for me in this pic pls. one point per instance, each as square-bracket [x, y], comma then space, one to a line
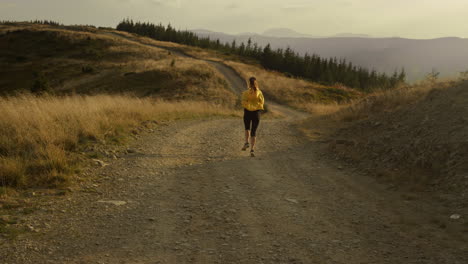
[87, 61]
[415, 137]
[295, 92]
[67, 89]
[41, 137]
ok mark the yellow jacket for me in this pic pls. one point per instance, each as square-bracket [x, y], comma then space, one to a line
[253, 100]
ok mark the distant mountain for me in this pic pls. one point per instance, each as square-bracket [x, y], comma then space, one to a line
[448, 55]
[351, 35]
[204, 32]
[248, 34]
[285, 33]
[280, 33]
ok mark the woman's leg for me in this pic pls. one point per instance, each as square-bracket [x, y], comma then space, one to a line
[253, 133]
[247, 136]
[247, 122]
[253, 139]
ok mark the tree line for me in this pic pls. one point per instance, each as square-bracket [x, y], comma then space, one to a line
[42, 22]
[327, 71]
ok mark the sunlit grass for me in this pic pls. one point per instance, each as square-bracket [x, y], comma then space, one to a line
[39, 134]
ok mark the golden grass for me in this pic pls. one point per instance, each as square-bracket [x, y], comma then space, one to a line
[39, 136]
[388, 100]
[323, 109]
[298, 93]
[119, 66]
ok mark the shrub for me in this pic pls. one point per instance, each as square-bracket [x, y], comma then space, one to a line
[88, 69]
[41, 84]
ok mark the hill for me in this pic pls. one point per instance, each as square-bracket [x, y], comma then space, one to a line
[284, 33]
[71, 94]
[88, 61]
[295, 92]
[414, 138]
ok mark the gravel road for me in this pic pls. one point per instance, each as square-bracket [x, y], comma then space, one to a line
[188, 194]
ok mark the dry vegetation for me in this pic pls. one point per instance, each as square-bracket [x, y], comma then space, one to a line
[414, 137]
[41, 136]
[388, 100]
[63, 61]
[66, 88]
[298, 93]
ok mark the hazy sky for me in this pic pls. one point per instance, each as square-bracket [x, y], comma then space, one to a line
[380, 18]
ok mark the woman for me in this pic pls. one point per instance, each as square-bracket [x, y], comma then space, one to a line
[252, 101]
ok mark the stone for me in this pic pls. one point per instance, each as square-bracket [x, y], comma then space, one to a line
[455, 216]
[100, 163]
[131, 150]
[292, 200]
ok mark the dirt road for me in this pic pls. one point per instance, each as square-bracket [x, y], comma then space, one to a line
[188, 194]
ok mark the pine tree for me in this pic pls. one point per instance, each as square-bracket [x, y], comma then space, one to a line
[233, 46]
[402, 76]
[241, 49]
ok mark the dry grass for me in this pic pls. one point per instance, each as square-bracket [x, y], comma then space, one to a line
[39, 137]
[388, 101]
[330, 118]
[118, 66]
[413, 137]
[298, 93]
[324, 109]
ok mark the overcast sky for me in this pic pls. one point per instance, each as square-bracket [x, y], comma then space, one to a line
[379, 18]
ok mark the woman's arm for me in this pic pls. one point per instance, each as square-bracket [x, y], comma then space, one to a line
[261, 99]
[244, 100]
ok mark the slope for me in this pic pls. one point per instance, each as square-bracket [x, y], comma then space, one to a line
[298, 93]
[187, 194]
[68, 60]
[414, 139]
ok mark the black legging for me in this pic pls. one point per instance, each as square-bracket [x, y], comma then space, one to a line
[251, 117]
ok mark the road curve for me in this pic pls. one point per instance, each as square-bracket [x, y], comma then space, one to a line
[237, 84]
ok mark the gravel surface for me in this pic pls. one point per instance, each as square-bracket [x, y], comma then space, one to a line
[186, 193]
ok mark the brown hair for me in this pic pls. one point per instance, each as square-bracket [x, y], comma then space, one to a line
[253, 83]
